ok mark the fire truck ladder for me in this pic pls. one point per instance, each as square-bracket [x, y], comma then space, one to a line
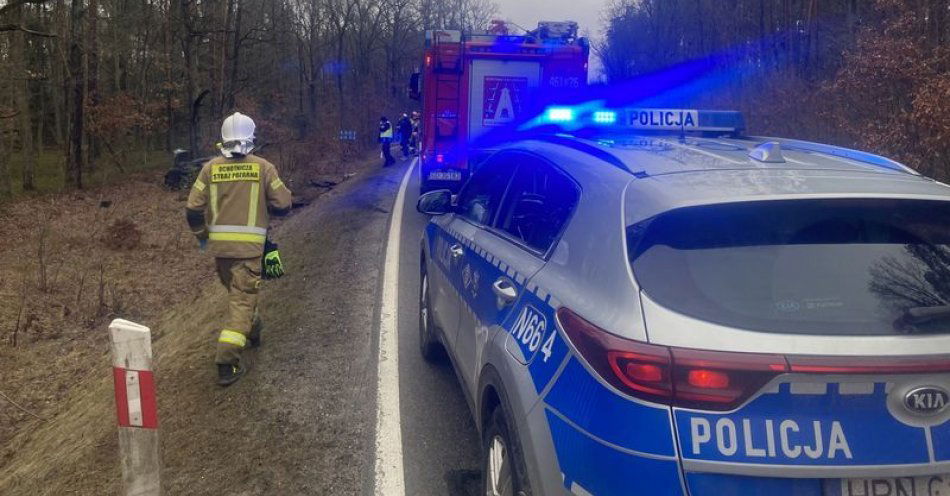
[448, 70]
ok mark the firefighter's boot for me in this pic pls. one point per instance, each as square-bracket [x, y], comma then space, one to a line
[229, 374]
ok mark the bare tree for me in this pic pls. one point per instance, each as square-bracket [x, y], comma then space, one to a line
[76, 92]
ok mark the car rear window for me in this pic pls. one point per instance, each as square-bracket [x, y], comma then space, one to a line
[835, 266]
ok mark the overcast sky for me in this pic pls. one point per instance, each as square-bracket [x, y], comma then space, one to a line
[527, 13]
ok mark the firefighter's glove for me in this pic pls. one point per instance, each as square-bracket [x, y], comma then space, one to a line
[203, 245]
[273, 268]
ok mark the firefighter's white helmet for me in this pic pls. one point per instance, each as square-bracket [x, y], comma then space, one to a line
[237, 135]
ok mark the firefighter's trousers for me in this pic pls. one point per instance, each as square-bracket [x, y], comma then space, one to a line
[242, 278]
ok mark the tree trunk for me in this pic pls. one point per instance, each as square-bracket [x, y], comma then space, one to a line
[92, 61]
[169, 109]
[226, 57]
[190, 75]
[6, 189]
[41, 125]
[21, 56]
[235, 55]
[74, 156]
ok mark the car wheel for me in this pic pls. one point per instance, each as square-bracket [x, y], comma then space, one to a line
[427, 343]
[503, 468]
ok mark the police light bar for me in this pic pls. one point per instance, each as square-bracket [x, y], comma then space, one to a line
[559, 114]
[592, 116]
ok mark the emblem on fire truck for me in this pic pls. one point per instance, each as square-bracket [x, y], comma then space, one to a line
[503, 99]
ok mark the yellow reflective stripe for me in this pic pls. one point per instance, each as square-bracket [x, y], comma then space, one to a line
[213, 194]
[242, 237]
[237, 229]
[232, 337]
[252, 204]
[276, 183]
[200, 186]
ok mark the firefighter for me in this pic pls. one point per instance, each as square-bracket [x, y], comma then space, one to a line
[416, 122]
[405, 134]
[385, 140]
[228, 210]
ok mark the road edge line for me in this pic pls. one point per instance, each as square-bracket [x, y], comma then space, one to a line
[388, 467]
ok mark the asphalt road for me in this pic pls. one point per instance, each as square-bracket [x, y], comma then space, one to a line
[439, 439]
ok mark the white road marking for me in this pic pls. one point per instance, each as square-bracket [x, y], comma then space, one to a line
[389, 470]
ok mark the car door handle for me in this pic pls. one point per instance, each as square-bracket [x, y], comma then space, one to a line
[504, 290]
[456, 250]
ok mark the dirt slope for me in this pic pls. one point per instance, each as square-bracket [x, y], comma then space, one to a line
[300, 423]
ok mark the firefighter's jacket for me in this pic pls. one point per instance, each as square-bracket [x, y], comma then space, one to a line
[231, 202]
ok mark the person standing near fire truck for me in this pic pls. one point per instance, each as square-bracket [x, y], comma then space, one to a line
[386, 140]
[416, 122]
[238, 191]
[405, 134]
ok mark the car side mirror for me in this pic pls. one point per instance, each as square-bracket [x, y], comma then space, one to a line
[436, 202]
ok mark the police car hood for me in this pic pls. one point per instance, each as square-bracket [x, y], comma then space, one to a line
[652, 195]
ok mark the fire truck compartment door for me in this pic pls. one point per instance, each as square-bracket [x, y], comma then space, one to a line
[498, 90]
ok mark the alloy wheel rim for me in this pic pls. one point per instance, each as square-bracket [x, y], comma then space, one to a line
[499, 470]
[424, 304]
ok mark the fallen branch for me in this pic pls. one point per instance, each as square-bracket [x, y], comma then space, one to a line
[17, 27]
[14, 403]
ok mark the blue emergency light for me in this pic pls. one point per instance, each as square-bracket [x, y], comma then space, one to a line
[644, 119]
[606, 117]
[559, 114]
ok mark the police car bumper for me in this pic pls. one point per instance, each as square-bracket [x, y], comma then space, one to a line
[708, 484]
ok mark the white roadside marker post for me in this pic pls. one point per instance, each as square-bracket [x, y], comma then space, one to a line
[136, 408]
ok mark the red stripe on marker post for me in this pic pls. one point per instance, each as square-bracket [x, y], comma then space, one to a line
[148, 400]
[135, 398]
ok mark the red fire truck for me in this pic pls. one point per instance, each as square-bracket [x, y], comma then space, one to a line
[473, 85]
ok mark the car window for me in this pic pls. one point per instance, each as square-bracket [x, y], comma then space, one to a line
[482, 194]
[539, 202]
[836, 266]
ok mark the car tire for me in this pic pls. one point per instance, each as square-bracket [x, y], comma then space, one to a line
[503, 467]
[428, 345]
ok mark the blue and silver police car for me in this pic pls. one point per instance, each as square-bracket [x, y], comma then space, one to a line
[675, 308]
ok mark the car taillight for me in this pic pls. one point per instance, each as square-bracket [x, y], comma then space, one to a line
[640, 369]
[709, 380]
[703, 379]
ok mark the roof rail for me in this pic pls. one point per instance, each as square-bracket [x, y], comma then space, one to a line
[848, 153]
[584, 147]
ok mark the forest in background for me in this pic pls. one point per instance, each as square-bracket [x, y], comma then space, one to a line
[90, 87]
[871, 74]
[93, 88]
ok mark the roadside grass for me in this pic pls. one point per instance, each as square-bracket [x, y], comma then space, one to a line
[74, 451]
[60, 371]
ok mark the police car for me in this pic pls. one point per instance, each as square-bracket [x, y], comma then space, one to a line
[668, 307]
